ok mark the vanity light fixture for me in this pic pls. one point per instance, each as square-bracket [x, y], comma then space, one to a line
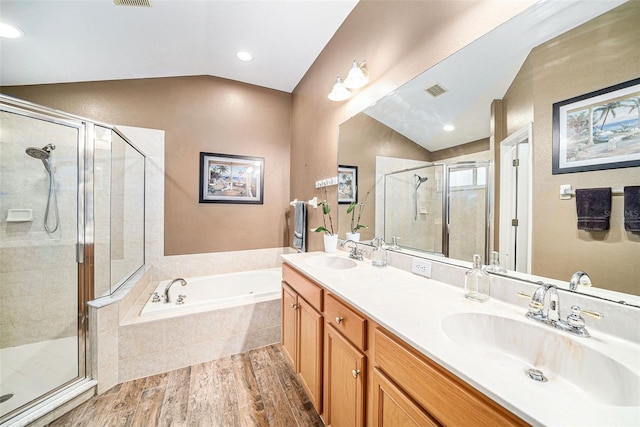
[358, 75]
[448, 128]
[9, 31]
[339, 91]
[244, 56]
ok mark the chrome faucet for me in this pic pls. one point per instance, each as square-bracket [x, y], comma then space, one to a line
[544, 307]
[354, 253]
[579, 278]
[166, 289]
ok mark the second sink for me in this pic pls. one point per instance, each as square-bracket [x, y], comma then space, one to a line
[569, 365]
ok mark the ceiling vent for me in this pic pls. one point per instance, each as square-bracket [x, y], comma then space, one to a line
[436, 90]
[139, 3]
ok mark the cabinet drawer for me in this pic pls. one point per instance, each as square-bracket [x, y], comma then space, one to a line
[303, 286]
[446, 397]
[347, 321]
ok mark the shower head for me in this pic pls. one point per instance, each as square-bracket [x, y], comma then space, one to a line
[420, 179]
[41, 153]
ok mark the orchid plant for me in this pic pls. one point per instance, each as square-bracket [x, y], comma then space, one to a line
[326, 212]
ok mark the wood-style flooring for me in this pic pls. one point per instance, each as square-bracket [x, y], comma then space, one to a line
[256, 388]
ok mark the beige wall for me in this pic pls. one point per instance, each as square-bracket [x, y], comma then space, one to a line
[550, 73]
[198, 114]
[361, 140]
[399, 40]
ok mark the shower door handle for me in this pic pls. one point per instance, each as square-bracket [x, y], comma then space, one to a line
[79, 253]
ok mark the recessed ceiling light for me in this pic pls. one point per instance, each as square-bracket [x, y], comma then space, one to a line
[448, 128]
[244, 56]
[9, 31]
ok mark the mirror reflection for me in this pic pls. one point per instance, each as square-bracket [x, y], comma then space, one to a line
[498, 94]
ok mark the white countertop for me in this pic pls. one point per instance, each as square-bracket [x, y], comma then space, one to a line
[413, 307]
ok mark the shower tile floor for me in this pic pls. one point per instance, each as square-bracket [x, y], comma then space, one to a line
[31, 370]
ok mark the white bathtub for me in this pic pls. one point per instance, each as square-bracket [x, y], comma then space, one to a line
[217, 291]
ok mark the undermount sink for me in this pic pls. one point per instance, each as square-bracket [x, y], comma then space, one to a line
[568, 366]
[331, 262]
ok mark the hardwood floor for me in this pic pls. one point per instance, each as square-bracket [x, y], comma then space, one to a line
[256, 388]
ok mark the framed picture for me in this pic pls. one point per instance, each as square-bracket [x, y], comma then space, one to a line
[347, 184]
[228, 178]
[598, 130]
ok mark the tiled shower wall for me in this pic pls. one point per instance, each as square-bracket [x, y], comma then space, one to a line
[38, 270]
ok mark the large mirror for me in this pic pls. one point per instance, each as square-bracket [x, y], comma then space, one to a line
[498, 94]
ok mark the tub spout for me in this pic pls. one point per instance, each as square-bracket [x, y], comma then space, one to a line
[166, 289]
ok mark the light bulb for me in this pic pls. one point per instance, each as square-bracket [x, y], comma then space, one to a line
[339, 91]
[357, 77]
[9, 31]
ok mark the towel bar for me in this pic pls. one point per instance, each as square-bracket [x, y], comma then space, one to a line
[566, 192]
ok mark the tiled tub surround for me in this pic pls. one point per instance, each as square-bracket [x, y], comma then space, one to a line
[129, 346]
[413, 308]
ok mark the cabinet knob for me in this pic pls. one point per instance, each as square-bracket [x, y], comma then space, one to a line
[294, 306]
[355, 373]
[339, 320]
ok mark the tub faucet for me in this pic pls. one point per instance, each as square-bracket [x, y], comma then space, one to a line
[354, 253]
[166, 289]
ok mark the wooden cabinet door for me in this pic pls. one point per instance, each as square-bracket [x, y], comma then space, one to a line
[344, 382]
[310, 351]
[290, 324]
[393, 408]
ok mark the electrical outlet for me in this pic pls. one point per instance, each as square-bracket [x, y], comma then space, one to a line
[421, 267]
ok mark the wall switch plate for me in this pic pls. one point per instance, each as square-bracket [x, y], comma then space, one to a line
[421, 267]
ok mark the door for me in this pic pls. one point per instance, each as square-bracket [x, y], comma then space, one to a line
[515, 200]
[344, 387]
[42, 327]
[468, 210]
[393, 408]
[310, 351]
[290, 324]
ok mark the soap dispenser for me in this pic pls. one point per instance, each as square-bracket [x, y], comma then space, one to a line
[495, 266]
[476, 282]
[379, 254]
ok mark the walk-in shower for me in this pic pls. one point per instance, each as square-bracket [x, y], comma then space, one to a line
[61, 252]
[44, 154]
[449, 215]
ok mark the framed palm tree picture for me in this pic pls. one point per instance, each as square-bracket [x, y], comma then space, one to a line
[598, 130]
[228, 178]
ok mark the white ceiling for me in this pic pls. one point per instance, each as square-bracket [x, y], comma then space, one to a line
[476, 75]
[88, 40]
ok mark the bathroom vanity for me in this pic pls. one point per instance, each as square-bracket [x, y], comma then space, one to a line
[384, 347]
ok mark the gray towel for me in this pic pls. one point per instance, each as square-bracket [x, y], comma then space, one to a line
[632, 208]
[299, 226]
[593, 206]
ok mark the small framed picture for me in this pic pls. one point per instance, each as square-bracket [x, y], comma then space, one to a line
[598, 130]
[228, 178]
[347, 184]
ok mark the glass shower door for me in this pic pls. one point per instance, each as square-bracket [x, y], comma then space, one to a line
[41, 340]
[468, 210]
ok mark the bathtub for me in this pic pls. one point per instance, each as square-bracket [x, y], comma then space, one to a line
[217, 291]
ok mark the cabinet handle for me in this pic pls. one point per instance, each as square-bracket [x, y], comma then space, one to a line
[294, 306]
[355, 373]
[339, 320]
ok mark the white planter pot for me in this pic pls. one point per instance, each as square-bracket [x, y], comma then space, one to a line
[330, 242]
[353, 236]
